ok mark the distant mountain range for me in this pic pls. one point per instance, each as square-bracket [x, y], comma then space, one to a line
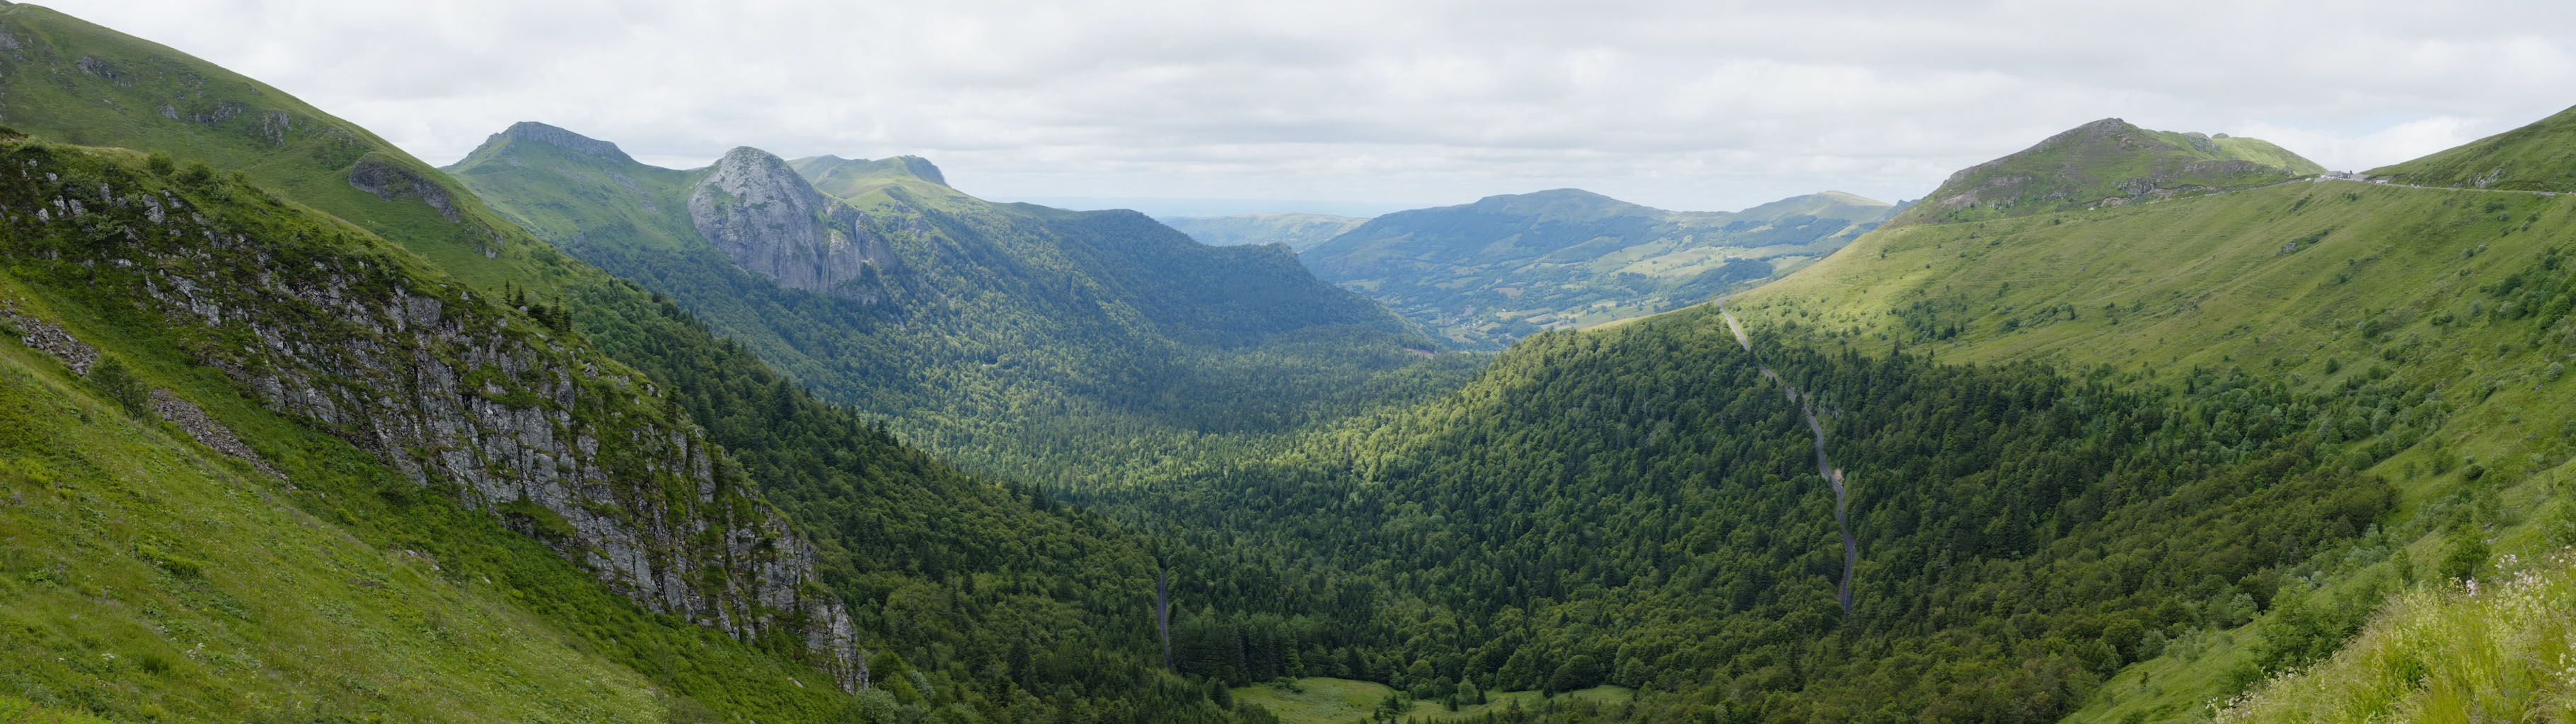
[1484, 274]
[1299, 231]
[876, 284]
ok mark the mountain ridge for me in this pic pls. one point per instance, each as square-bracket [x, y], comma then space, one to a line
[534, 132]
[997, 298]
[830, 171]
[2107, 162]
[2531, 157]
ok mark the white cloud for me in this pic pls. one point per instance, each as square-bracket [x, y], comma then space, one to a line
[1695, 105]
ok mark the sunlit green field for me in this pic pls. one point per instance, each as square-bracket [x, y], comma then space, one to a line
[1319, 700]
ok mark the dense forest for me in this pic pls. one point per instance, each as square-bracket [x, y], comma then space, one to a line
[1639, 507]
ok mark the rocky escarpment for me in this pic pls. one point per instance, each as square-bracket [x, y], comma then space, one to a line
[392, 181]
[755, 209]
[334, 329]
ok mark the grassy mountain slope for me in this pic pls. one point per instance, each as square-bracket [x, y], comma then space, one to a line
[2447, 310]
[845, 178]
[2170, 450]
[241, 608]
[2444, 654]
[73, 81]
[892, 529]
[1299, 231]
[618, 196]
[1486, 273]
[2536, 157]
[2105, 163]
[1068, 348]
[119, 280]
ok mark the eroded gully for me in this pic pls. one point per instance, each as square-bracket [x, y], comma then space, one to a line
[1824, 466]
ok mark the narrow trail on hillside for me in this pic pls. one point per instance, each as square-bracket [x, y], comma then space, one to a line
[1824, 466]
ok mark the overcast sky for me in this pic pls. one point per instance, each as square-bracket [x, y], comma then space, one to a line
[1697, 105]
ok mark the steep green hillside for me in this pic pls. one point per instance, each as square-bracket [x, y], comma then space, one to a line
[2536, 157]
[75, 82]
[2445, 654]
[1487, 273]
[1067, 348]
[2105, 163]
[327, 382]
[149, 578]
[1053, 628]
[1299, 231]
[2456, 301]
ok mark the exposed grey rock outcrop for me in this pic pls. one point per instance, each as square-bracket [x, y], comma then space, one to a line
[45, 337]
[390, 181]
[756, 210]
[273, 126]
[207, 431]
[458, 395]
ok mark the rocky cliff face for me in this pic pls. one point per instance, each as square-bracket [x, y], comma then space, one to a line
[329, 327]
[392, 182]
[755, 209]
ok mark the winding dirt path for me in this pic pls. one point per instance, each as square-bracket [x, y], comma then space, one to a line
[1824, 466]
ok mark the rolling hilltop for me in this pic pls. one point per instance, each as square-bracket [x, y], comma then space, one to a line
[1484, 274]
[2105, 163]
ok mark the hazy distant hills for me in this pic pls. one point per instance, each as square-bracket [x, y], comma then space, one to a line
[2105, 163]
[1299, 231]
[1504, 267]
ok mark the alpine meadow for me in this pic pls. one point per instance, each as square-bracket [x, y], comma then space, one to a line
[617, 418]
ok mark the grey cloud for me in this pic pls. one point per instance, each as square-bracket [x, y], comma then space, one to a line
[1678, 104]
